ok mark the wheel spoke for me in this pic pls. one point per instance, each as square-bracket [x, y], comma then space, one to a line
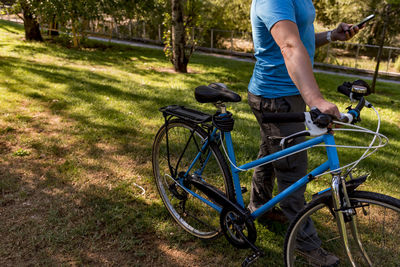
[183, 145]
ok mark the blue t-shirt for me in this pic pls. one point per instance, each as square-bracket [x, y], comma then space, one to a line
[270, 77]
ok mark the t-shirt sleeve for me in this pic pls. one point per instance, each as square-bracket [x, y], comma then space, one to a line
[272, 11]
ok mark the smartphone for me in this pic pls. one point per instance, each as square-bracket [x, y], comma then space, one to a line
[365, 20]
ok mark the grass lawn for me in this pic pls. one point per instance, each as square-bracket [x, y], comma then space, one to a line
[76, 130]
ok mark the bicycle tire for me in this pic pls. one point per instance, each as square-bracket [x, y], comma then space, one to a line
[378, 226]
[193, 215]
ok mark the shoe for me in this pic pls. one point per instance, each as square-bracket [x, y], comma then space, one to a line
[274, 215]
[320, 257]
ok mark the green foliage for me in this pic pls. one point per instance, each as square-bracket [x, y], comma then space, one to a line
[193, 18]
[77, 13]
[230, 15]
[22, 153]
[63, 39]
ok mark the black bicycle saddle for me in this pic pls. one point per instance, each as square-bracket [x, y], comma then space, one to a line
[215, 92]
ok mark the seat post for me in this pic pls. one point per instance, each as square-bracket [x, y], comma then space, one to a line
[220, 106]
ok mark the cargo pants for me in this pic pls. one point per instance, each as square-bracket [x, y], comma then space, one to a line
[287, 170]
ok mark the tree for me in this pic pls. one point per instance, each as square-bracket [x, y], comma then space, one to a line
[31, 24]
[180, 22]
[388, 13]
[76, 13]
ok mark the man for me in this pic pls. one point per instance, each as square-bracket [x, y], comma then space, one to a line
[283, 81]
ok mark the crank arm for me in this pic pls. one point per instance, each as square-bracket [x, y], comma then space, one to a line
[257, 252]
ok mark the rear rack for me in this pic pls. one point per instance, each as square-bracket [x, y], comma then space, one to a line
[186, 113]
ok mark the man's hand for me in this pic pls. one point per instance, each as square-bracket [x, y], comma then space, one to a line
[326, 107]
[344, 32]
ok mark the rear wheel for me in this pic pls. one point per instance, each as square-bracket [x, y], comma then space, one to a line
[185, 141]
[378, 223]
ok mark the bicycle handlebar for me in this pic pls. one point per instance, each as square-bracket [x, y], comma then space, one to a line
[283, 117]
[355, 91]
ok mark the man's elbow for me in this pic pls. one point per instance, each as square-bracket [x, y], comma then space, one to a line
[288, 48]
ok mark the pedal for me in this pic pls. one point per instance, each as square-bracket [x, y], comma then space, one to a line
[252, 258]
[257, 252]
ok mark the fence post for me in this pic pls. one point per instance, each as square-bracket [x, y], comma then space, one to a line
[116, 29]
[111, 30]
[328, 51]
[232, 41]
[390, 55]
[130, 29]
[357, 54]
[159, 33]
[212, 39]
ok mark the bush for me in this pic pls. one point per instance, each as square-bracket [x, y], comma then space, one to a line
[64, 40]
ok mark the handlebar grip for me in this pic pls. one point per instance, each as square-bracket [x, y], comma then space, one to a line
[283, 117]
[345, 89]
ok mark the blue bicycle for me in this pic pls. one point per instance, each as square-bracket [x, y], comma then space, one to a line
[197, 177]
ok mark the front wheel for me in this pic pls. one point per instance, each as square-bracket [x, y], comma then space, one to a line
[378, 223]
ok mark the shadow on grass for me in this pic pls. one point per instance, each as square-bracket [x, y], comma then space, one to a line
[87, 222]
[106, 222]
[103, 222]
[11, 27]
[53, 223]
[81, 88]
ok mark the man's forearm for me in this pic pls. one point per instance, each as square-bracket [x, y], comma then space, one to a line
[321, 39]
[343, 32]
[298, 64]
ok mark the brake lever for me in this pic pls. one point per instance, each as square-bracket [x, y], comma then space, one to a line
[313, 129]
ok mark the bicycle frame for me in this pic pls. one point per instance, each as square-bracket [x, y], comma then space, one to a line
[332, 163]
[219, 132]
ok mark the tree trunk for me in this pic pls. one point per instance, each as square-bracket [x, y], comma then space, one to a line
[179, 58]
[75, 38]
[32, 29]
[387, 10]
[53, 31]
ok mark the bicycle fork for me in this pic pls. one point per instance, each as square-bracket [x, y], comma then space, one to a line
[342, 208]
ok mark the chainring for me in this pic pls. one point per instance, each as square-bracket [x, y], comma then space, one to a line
[230, 222]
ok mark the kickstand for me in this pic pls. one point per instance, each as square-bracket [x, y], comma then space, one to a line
[257, 252]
